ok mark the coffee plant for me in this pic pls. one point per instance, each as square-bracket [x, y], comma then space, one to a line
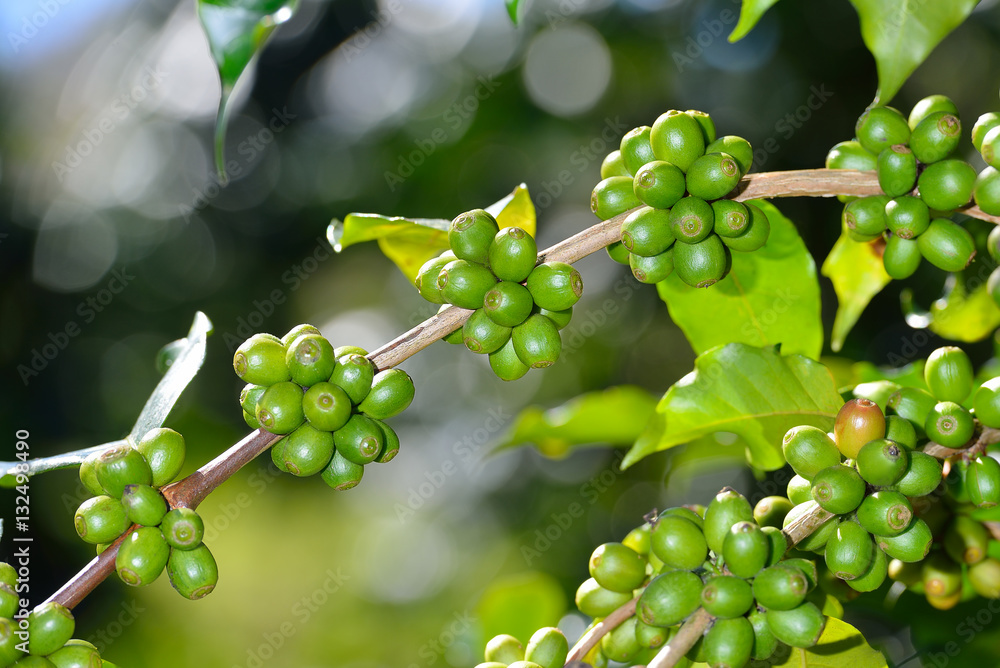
[878, 484]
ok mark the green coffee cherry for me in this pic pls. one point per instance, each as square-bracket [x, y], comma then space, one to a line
[651, 637]
[897, 170]
[729, 642]
[691, 220]
[326, 406]
[726, 596]
[756, 234]
[537, 342]
[555, 285]
[183, 528]
[936, 137]
[506, 364]
[771, 511]
[249, 396]
[764, 642]
[525, 664]
[799, 627]
[885, 513]
[297, 331]
[471, 234]
[873, 578]
[986, 191]
[100, 519]
[306, 451]
[983, 125]
[947, 245]
[8, 575]
[913, 404]
[858, 422]
[746, 549]
[706, 123]
[690, 513]
[617, 567]
[966, 540]
[639, 539]
[76, 655]
[947, 184]
[9, 653]
[907, 216]
[547, 647]
[866, 215]
[261, 360]
[360, 440]
[923, 475]
[780, 587]
[341, 473]
[678, 543]
[427, 277]
[949, 424]
[901, 257]
[850, 551]
[778, 544]
[817, 539]
[508, 304]
[391, 393]
[9, 601]
[310, 359]
[390, 443]
[193, 573]
[726, 509]
[354, 374]
[614, 165]
[119, 466]
[737, 147]
[561, 318]
[702, 264]
[142, 556]
[986, 402]
[504, 649]
[50, 625]
[799, 490]
[636, 150]
[851, 155]
[932, 104]
[618, 252]
[809, 450]
[838, 489]
[982, 481]
[941, 576]
[646, 232]
[669, 598]
[251, 420]
[279, 409]
[677, 138]
[465, 284]
[731, 218]
[948, 373]
[807, 567]
[882, 462]
[712, 176]
[881, 127]
[990, 148]
[985, 578]
[613, 196]
[659, 184]
[621, 644]
[595, 601]
[652, 270]
[88, 474]
[910, 546]
[144, 505]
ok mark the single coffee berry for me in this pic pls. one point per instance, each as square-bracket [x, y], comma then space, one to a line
[636, 149]
[653, 269]
[947, 184]
[594, 600]
[947, 245]
[465, 284]
[279, 409]
[508, 303]
[691, 220]
[713, 175]
[851, 155]
[142, 556]
[506, 364]
[342, 474]
[614, 165]
[678, 543]
[144, 505]
[326, 406]
[555, 285]
[932, 104]
[100, 519]
[780, 587]
[858, 422]
[669, 598]
[471, 234]
[950, 425]
[119, 466]
[183, 528]
[907, 217]
[755, 236]
[731, 217]
[50, 625]
[866, 215]
[809, 450]
[922, 476]
[391, 393]
[548, 648]
[677, 138]
[390, 443]
[360, 440]
[799, 627]
[481, 334]
[513, 254]
[307, 451]
[948, 374]
[617, 567]
[881, 127]
[726, 509]
[354, 375]
[702, 264]
[726, 596]
[838, 489]
[885, 513]
[936, 137]
[746, 549]
[901, 257]
[646, 232]
[706, 123]
[737, 147]
[537, 342]
[613, 196]
[193, 573]
[897, 170]
[910, 546]
[659, 184]
[261, 360]
[729, 642]
[427, 278]
[310, 359]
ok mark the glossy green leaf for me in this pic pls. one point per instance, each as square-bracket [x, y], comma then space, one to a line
[858, 275]
[840, 646]
[750, 14]
[755, 393]
[771, 296]
[520, 605]
[188, 355]
[237, 30]
[615, 416]
[960, 315]
[902, 33]
[409, 242]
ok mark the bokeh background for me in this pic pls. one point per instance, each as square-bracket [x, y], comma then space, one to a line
[420, 108]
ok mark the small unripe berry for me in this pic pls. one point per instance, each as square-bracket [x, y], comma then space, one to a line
[646, 232]
[142, 556]
[809, 450]
[885, 513]
[949, 424]
[100, 519]
[756, 234]
[677, 138]
[635, 149]
[659, 184]
[947, 185]
[183, 528]
[669, 598]
[613, 196]
[391, 393]
[799, 627]
[471, 234]
[465, 284]
[193, 573]
[279, 409]
[850, 551]
[652, 270]
[704, 263]
[595, 601]
[341, 473]
[617, 567]
[948, 374]
[50, 625]
[897, 170]
[737, 147]
[513, 254]
[119, 466]
[354, 375]
[261, 360]
[614, 165]
[910, 546]
[555, 285]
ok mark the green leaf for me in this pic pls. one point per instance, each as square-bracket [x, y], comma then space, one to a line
[857, 274]
[615, 416]
[963, 316]
[755, 393]
[750, 13]
[902, 33]
[409, 242]
[840, 646]
[771, 296]
[188, 355]
[520, 605]
[237, 30]
[514, 10]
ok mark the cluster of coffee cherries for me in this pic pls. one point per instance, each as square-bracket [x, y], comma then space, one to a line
[518, 305]
[328, 402]
[679, 175]
[986, 140]
[547, 648]
[126, 480]
[44, 637]
[907, 153]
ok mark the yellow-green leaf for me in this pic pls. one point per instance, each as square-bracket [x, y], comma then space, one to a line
[750, 13]
[963, 316]
[409, 242]
[857, 274]
[840, 646]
